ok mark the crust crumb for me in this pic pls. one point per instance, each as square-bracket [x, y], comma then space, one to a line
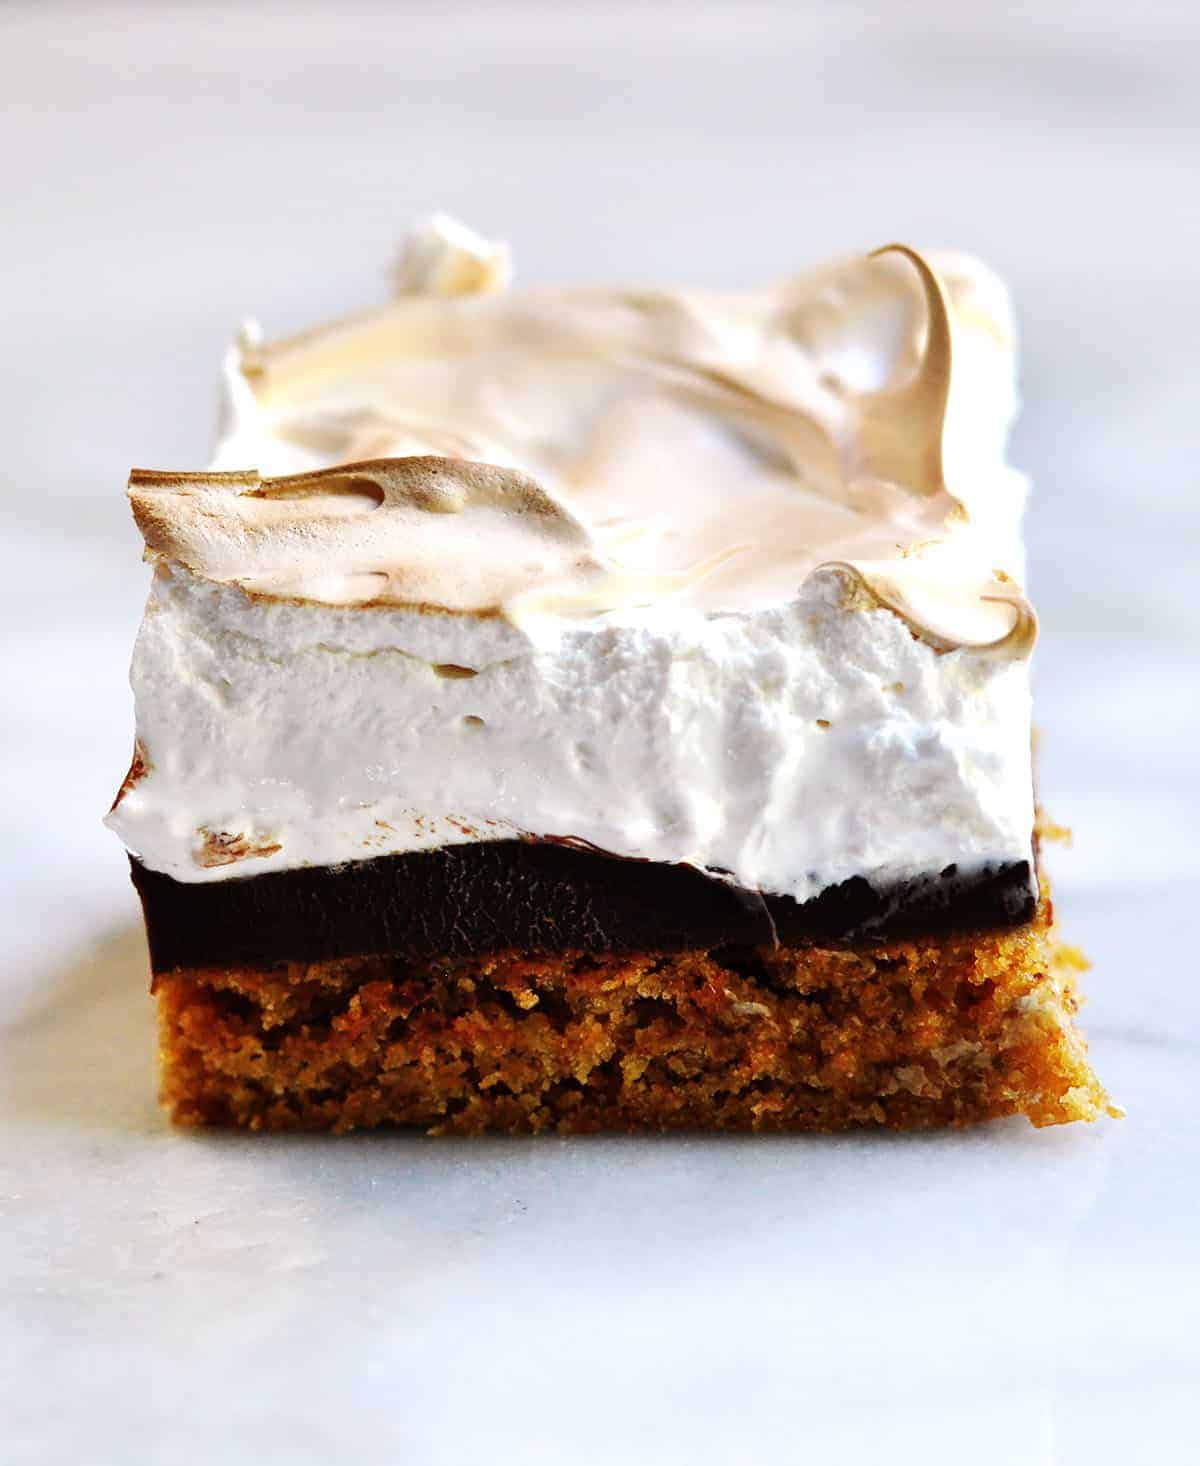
[1045, 829]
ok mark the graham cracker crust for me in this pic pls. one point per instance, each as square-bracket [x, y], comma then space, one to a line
[944, 1030]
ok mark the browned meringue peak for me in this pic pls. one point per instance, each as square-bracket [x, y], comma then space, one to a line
[436, 532]
[902, 426]
[945, 608]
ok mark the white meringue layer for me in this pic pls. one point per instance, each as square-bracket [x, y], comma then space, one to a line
[789, 748]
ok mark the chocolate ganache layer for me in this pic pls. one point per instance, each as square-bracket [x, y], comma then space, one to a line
[471, 900]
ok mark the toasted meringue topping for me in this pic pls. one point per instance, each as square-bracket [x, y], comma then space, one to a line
[622, 447]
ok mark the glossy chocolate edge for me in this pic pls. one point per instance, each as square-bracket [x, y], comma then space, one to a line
[470, 900]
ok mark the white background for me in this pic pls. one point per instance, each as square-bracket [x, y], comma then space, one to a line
[999, 1297]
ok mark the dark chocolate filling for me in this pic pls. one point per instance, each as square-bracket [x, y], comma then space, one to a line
[468, 900]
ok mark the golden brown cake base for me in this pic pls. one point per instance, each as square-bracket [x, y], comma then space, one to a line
[905, 1034]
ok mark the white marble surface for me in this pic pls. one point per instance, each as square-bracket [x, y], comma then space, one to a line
[998, 1297]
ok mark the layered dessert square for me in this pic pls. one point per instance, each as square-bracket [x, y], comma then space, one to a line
[581, 709]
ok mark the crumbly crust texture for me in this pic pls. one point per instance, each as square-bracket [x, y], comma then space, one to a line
[944, 1030]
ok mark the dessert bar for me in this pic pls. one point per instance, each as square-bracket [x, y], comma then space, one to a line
[602, 708]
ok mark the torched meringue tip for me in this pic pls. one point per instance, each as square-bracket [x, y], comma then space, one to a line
[980, 613]
[432, 532]
[907, 422]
